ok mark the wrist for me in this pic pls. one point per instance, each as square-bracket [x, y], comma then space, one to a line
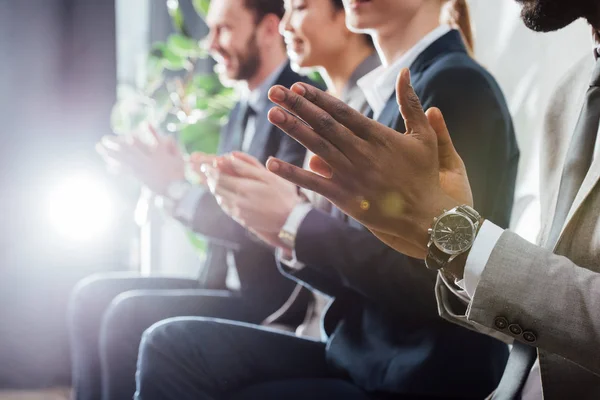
[289, 229]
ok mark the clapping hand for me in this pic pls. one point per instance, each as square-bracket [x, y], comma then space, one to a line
[256, 198]
[393, 183]
[155, 164]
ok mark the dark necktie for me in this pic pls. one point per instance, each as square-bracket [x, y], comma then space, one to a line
[246, 115]
[577, 163]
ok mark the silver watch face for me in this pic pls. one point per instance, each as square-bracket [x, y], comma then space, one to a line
[453, 233]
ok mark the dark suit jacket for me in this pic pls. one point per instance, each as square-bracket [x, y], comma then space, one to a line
[260, 279]
[384, 330]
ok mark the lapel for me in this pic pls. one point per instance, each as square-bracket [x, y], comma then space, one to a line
[390, 113]
[264, 130]
[589, 183]
[451, 42]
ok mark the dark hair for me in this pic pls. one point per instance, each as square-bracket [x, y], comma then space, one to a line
[339, 5]
[262, 8]
[458, 15]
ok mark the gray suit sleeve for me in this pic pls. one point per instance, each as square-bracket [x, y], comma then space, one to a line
[544, 293]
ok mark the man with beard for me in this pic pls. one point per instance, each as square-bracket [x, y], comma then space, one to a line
[109, 312]
[542, 298]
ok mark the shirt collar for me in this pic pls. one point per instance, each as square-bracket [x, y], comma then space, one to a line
[379, 85]
[366, 66]
[258, 98]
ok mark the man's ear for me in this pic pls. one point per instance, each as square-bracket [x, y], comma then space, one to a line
[270, 29]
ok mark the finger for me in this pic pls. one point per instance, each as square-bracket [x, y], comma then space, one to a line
[317, 165]
[154, 133]
[319, 120]
[112, 141]
[231, 184]
[446, 152]
[172, 146]
[198, 157]
[235, 167]
[304, 178]
[246, 158]
[352, 119]
[410, 106]
[137, 144]
[307, 136]
[119, 155]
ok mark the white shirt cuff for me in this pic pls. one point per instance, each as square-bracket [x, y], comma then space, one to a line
[294, 220]
[292, 262]
[291, 226]
[480, 253]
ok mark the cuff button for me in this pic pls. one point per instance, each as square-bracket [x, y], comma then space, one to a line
[515, 329]
[529, 336]
[501, 322]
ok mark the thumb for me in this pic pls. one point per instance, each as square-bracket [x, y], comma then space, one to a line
[447, 154]
[410, 106]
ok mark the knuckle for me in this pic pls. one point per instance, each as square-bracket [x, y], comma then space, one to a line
[310, 94]
[295, 103]
[293, 127]
[414, 102]
[341, 110]
[322, 147]
[325, 122]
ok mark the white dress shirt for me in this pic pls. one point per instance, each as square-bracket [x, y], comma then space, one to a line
[378, 86]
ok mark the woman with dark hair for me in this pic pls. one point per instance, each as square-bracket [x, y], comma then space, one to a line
[316, 37]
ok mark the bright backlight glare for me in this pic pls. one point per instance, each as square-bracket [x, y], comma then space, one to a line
[80, 208]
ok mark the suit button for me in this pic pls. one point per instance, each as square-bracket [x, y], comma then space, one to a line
[529, 336]
[515, 329]
[501, 322]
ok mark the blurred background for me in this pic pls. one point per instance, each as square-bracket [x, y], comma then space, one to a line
[75, 70]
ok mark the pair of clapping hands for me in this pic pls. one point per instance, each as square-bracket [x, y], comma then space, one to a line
[393, 183]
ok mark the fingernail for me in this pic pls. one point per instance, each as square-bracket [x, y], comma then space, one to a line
[276, 94]
[272, 165]
[299, 89]
[277, 116]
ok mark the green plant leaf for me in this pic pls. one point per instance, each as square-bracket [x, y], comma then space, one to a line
[201, 7]
[208, 82]
[173, 61]
[185, 46]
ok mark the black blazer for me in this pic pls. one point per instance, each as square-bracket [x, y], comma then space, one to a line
[260, 279]
[383, 326]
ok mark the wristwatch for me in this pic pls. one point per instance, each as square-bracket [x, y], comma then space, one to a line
[451, 235]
